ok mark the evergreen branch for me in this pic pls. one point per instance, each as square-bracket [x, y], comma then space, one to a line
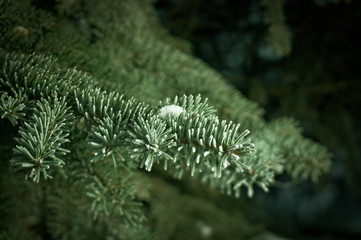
[263, 168]
[106, 139]
[30, 72]
[110, 190]
[184, 133]
[204, 143]
[210, 140]
[65, 209]
[36, 75]
[11, 108]
[307, 159]
[186, 139]
[95, 103]
[73, 80]
[151, 140]
[304, 158]
[42, 139]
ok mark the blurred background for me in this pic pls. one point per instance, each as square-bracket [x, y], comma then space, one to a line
[300, 59]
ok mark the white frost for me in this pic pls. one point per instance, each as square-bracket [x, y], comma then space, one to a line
[170, 110]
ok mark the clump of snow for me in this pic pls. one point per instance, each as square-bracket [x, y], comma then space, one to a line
[170, 110]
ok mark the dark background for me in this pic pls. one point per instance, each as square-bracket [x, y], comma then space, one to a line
[318, 83]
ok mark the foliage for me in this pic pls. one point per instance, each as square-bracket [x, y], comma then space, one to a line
[93, 97]
[317, 84]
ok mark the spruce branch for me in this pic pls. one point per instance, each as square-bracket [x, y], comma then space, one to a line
[210, 140]
[30, 72]
[308, 159]
[198, 141]
[69, 206]
[112, 136]
[151, 140]
[41, 141]
[110, 190]
[12, 107]
[304, 158]
[38, 77]
[263, 168]
[106, 140]
[186, 140]
[96, 104]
